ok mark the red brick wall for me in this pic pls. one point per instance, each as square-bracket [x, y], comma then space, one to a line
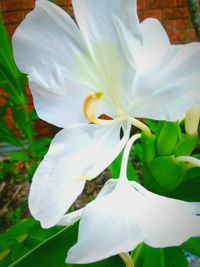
[173, 14]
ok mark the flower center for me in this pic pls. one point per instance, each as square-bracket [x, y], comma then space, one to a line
[90, 107]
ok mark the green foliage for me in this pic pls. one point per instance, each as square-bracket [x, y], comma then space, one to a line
[145, 256]
[193, 246]
[166, 171]
[162, 173]
[13, 83]
[186, 145]
[54, 252]
[167, 138]
[20, 239]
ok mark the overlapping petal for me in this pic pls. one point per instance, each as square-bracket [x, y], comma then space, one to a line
[96, 21]
[167, 76]
[107, 227]
[130, 214]
[74, 155]
[48, 46]
[91, 13]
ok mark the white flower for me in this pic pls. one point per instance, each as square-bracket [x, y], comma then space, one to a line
[110, 65]
[126, 214]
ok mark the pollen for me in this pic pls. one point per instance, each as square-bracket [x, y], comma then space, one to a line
[90, 106]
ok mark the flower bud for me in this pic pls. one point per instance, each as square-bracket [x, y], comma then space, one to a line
[192, 118]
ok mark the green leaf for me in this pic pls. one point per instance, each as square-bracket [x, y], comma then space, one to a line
[52, 253]
[193, 246]
[167, 138]
[149, 181]
[186, 145]
[192, 173]
[188, 190]
[146, 256]
[18, 156]
[166, 171]
[21, 238]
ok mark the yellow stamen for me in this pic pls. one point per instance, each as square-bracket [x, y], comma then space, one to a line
[140, 125]
[90, 106]
[127, 259]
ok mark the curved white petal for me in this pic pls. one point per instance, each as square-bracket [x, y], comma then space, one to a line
[48, 46]
[107, 227]
[169, 204]
[148, 50]
[96, 21]
[155, 43]
[70, 218]
[169, 90]
[74, 155]
[169, 222]
[127, 214]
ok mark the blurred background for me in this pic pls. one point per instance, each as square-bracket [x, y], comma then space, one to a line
[24, 138]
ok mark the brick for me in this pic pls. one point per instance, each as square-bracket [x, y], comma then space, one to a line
[63, 2]
[11, 28]
[181, 3]
[183, 24]
[169, 25]
[179, 37]
[168, 3]
[192, 36]
[14, 16]
[175, 13]
[155, 13]
[152, 4]
[141, 4]
[17, 4]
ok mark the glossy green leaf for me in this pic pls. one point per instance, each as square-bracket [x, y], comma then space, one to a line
[145, 256]
[186, 145]
[149, 181]
[193, 246]
[167, 138]
[21, 238]
[188, 190]
[166, 171]
[53, 252]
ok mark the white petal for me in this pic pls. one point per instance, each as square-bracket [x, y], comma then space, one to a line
[107, 228]
[48, 46]
[147, 50]
[168, 204]
[170, 222]
[74, 154]
[70, 218]
[169, 90]
[154, 45]
[96, 21]
[128, 214]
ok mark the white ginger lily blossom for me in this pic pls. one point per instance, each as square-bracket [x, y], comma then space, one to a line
[125, 214]
[110, 64]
